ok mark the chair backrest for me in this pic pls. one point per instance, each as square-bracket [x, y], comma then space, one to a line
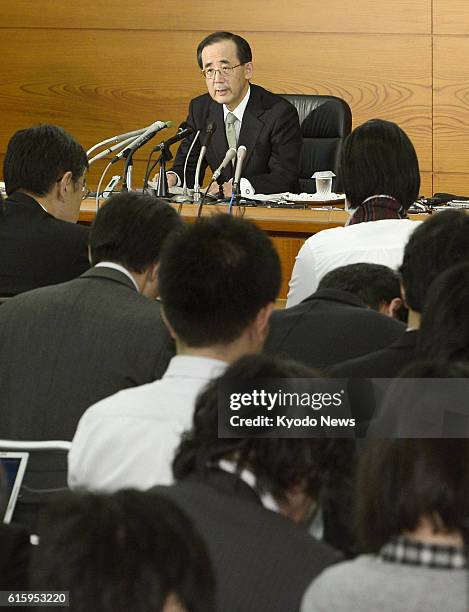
[45, 477]
[325, 122]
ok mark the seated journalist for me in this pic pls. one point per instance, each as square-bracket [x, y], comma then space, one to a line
[245, 114]
[40, 243]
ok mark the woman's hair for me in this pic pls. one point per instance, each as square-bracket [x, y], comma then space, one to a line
[401, 481]
[444, 329]
[379, 159]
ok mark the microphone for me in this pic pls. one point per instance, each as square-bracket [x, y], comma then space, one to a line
[119, 145]
[205, 141]
[239, 166]
[183, 130]
[142, 139]
[229, 156]
[118, 138]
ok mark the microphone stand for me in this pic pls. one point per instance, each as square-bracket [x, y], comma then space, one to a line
[162, 190]
[127, 180]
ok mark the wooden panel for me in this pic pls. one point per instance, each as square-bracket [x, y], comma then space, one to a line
[380, 76]
[450, 16]
[274, 15]
[426, 184]
[451, 104]
[451, 183]
[98, 88]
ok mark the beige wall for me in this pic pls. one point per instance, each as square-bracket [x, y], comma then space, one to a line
[99, 69]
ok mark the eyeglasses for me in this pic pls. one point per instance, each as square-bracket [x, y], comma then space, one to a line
[225, 71]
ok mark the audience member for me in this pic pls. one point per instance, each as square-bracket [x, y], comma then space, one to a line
[427, 400]
[246, 494]
[128, 551]
[380, 176]
[218, 282]
[413, 503]
[40, 244]
[436, 245]
[92, 336]
[444, 330]
[339, 321]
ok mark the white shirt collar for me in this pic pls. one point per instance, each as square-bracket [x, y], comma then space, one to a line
[116, 266]
[248, 477]
[238, 112]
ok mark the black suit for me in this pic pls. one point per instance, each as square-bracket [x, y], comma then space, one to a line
[328, 327]
[14, 558]
[65, 347]
[262, 561]
[36, 249]
[270, 131]
[386, 363]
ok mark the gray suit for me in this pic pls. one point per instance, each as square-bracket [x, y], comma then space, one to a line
[64, 347]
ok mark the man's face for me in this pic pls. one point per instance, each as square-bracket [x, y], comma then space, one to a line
[226, 89]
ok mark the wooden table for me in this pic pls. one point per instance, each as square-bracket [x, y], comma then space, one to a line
[288, 228]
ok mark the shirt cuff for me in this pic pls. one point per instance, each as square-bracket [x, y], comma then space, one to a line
[178, 184]
[247, 190]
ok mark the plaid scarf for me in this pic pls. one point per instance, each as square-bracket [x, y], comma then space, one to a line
[410, 552]
[378, 207]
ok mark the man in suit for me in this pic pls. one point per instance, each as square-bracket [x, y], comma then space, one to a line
[339, 321]
[40, 242]
[64, 347]
[244, 114]
[436, 245]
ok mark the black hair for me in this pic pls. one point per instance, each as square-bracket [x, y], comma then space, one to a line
[378, 158]
[373, 284]
[277, 464]
[243, 50]
[438, 243]
[125, 551]
[38, 157]
[444, 329]
[215, 276]
[131, 229]
[401, 481]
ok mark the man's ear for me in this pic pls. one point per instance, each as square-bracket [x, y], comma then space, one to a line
[64, 185]
[172, 333]
[390, 308]
[248, 70]
[261, 322]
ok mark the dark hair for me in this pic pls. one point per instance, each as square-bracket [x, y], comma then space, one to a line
[130, 229]
[243, 50]
[434, 368]
[278, 464]
[120, 552]
[39, 156]
[373, 284]
[444, 329]
[401, 481]
[437, 244]
[379, 159]
[215, 276]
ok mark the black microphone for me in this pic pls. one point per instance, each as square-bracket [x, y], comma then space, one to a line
[183, 130]
[205, 139]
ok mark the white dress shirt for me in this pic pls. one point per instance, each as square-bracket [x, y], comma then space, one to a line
[379, 242]
[129, 438]
[119, 268]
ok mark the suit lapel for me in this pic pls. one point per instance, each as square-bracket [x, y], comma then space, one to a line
[219, 144]
[252, 125]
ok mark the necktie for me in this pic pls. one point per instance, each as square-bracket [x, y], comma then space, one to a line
[231, 130]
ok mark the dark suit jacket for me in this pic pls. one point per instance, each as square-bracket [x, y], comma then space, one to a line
[64, 347]
[36, 249]
[328, 327]
[262, 560]
[386, 363]
[270, 130]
